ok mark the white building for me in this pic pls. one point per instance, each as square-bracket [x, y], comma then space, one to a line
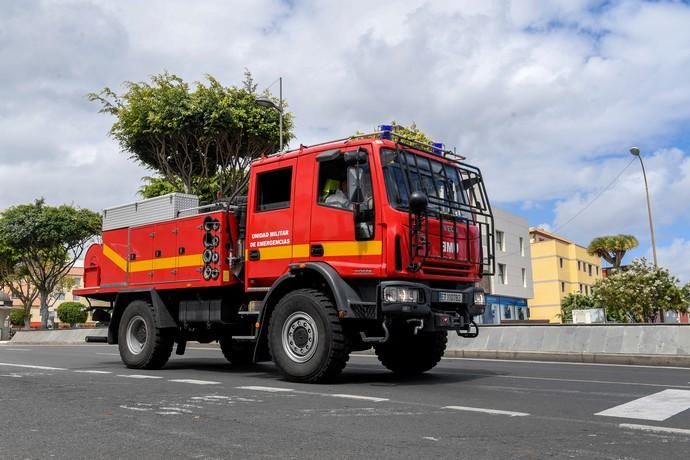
[511, 285]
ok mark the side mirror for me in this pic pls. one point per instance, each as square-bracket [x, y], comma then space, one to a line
[418, 203]
[355, 157]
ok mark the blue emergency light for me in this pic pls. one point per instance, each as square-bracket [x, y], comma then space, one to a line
[437, 148]
[386, 131]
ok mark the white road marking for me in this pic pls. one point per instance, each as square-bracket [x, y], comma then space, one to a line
[365, 398]
[93, 372]
[268, 389]
[195, 382]
[430, 438]
[654, 429]
[140, 409]
[18, 349]
[657, 407]
[109, 354]
[13, 374]
[488, 411]
[29, 366]
[139, 376]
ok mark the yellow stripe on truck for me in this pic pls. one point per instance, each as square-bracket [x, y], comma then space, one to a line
[160, 263]
[330, 249]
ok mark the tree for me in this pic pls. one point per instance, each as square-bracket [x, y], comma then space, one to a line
[18, 317]
[612, 248]
[188, 134]
[641, 293]
[574, 301]
[14, 276]
[62, 287]
[47, 241]
[72, 313]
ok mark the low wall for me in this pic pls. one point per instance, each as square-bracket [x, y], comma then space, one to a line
[658, 344]
[57, 337]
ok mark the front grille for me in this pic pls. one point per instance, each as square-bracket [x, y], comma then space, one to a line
[364, 311]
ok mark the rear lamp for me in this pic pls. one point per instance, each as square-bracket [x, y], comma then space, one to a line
[399, 294]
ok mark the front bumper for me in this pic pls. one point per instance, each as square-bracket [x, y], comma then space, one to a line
[440, 309]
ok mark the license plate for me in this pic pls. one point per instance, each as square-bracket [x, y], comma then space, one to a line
[450, 297]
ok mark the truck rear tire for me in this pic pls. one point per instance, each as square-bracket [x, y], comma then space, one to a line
[237, 353]
[306, 338]
[406, 354]
[142, 345]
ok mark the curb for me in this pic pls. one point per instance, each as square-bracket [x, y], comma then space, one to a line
[576, 357]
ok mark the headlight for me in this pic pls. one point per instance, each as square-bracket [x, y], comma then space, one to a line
[396, 294]
[479, 298]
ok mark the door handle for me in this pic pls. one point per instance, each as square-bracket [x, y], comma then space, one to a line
[316, 250]
[254, 254]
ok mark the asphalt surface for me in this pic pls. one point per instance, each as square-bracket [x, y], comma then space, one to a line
[81, 402]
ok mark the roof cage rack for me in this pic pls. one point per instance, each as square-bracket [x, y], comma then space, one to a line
[433, 148]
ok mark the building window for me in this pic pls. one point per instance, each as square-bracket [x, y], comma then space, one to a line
[522, 246]
[500, 241]
[502, 274]
[274, 189]
[561, 261]
[579, 265]
[597, 270]
[524, 278]
[562, 286]
[590, 269]
[75, 297]
[581, 288]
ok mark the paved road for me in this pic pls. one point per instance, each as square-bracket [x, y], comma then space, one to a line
[81, 402]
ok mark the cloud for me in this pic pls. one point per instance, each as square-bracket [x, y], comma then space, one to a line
[676, 255]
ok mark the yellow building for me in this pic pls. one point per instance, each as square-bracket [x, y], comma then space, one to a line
[559, 267]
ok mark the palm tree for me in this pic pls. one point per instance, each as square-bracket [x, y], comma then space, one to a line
[612, 248]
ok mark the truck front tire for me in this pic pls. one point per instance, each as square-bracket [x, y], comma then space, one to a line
[142, 345]
[306, 338]
[406, 354]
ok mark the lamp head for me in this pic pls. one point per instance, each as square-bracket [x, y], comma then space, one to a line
[265, 102]
[635, 151]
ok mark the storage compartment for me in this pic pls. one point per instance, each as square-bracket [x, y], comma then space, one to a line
[148, 211]
[204, 311]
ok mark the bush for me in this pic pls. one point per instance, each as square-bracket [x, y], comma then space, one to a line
[71, 313]
[17, 317]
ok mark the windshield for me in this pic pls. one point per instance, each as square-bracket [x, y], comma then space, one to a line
[406, 172]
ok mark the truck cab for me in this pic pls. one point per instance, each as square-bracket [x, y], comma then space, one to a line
[374, 240]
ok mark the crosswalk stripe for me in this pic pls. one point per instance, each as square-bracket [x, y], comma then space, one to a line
[658, 406]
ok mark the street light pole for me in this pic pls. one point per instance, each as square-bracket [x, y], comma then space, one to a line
[636, 152]
[280, 110]
[266, 102]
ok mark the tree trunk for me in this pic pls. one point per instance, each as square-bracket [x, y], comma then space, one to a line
[44, 308]
[27, 320]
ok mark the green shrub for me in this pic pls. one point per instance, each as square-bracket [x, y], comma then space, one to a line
[17, 317]
[71, 313]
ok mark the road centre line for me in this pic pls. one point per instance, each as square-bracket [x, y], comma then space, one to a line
[487, 411]
[92, 372]
[364, 398]
[195, 382]
[30, 366]
[268, 389]
[654, 429]
[139, 376]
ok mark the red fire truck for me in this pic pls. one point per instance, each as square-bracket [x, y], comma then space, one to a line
[373, 240]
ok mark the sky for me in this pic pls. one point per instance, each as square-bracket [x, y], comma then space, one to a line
[545, 97]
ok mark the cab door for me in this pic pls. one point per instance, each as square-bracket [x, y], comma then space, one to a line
[269, 223]
[333, 235]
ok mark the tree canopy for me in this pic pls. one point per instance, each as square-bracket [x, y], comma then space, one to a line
[45, 242]
[14, 277]
[641, 293]
[612, 248]
[193, 134]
